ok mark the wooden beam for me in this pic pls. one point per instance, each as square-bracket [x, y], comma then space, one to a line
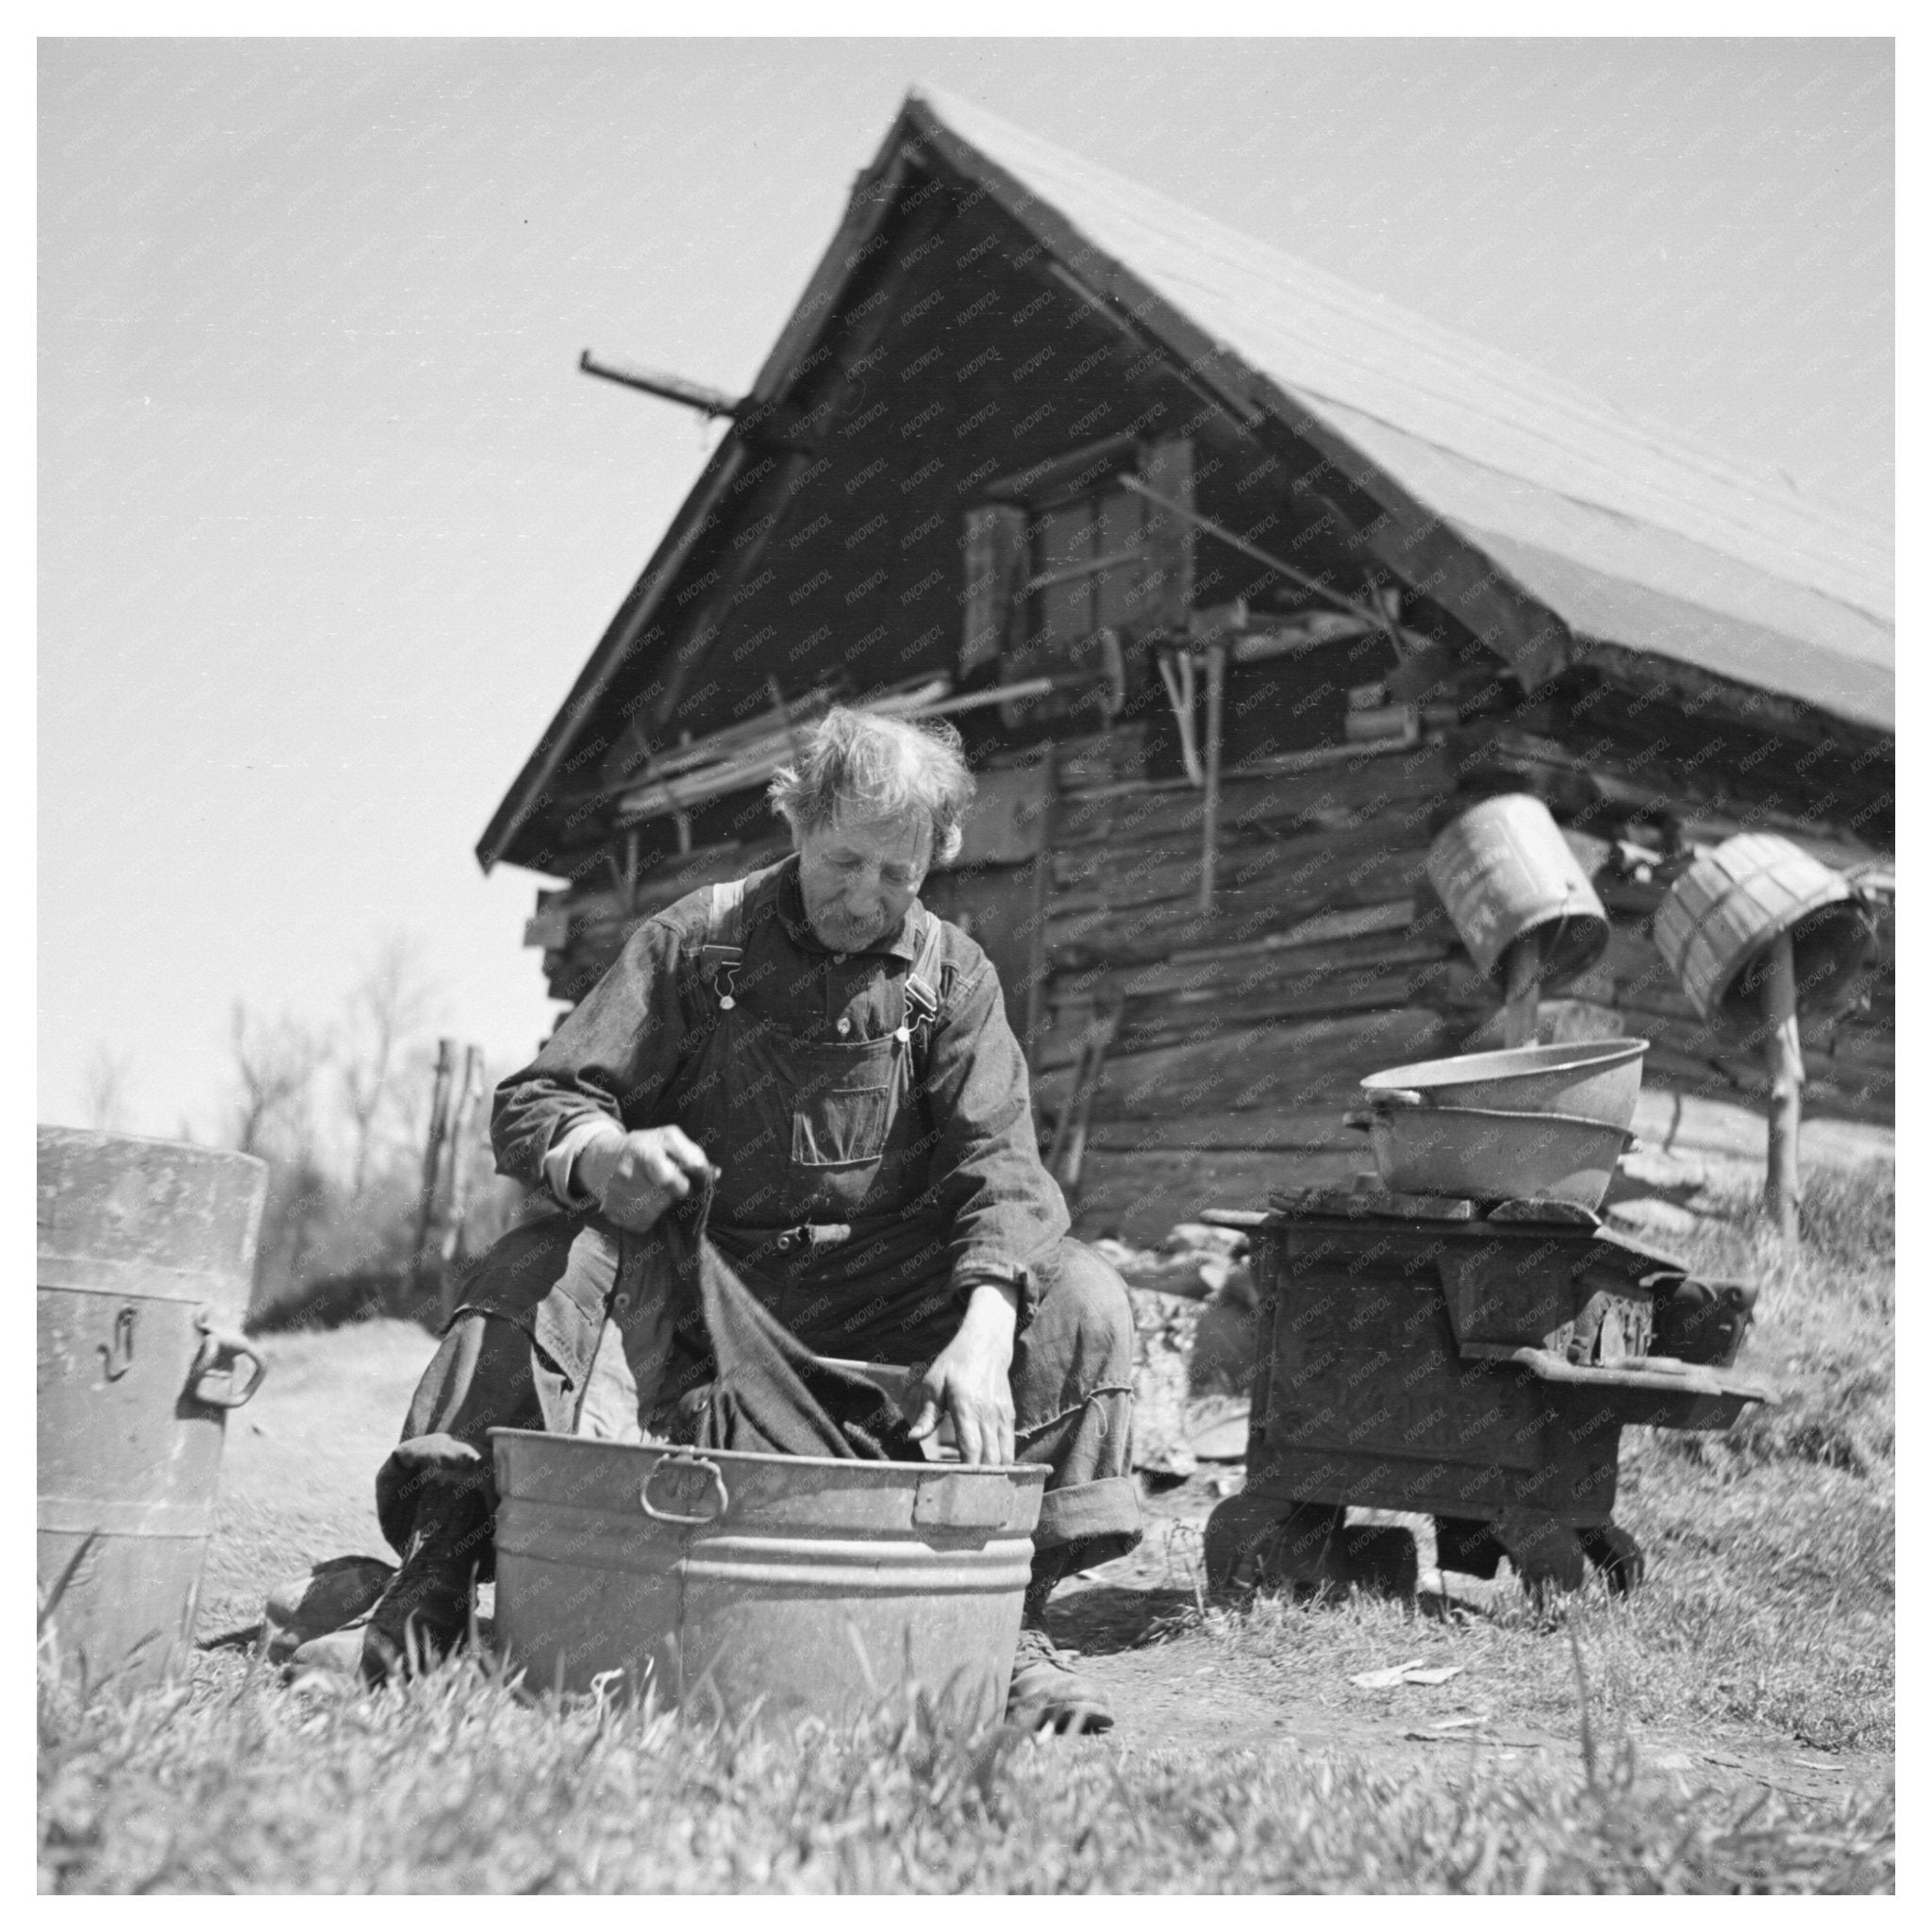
[1211, 803]
[1373, 619]
[673, 389]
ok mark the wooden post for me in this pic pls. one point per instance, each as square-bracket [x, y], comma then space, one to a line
[1210, 801]
[462, 1121]
[1784, 1062]
[1069, 1151]
[1521, 971]
[1040, 895]
[432, 1159]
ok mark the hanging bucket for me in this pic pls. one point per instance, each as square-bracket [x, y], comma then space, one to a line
[146, 1249]
[800, 1584]
[1724, 911]
[1506, 873]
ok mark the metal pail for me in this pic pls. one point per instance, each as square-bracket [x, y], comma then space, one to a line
[801, 1584]
[146, 1248]
[1726, 911]
[1506, 873]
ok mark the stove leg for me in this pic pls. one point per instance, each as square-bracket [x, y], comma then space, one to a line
[1548, 1555]
[1616, 1553]
[1237, 1528]
[1381, 1558]
[1467, 1544]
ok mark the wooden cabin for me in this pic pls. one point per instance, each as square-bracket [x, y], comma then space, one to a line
[1237, 582]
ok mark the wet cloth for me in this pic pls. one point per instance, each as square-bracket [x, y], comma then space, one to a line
[561, 1330]
[868, 1160]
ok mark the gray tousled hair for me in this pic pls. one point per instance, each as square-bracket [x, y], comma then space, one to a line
[860, 767]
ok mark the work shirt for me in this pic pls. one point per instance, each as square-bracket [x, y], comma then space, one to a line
[875, 1167]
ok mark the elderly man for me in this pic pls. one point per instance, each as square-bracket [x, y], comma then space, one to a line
[835, 1061]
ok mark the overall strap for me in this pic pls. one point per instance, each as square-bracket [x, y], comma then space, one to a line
[923, 983]
[723, 954]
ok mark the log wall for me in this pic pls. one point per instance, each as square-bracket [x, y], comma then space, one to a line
[1235, 1035]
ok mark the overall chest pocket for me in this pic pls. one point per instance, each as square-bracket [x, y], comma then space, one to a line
[844, 1108]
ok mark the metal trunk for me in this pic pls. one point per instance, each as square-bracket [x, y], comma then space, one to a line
[145, 1253]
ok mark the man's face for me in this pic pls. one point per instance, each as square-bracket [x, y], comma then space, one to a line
[859, 878]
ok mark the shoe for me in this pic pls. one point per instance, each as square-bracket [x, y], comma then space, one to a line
[338, 1654]
[324, 1599]
[1048, 1694]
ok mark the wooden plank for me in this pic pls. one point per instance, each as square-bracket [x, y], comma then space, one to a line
[1305, 863]
[1345, 793]
[1139, 1197]
[1447, 984]
[1348, 922]
[1203, 977]
[1291, 1065]
[1264, 1129]
[1142, 934]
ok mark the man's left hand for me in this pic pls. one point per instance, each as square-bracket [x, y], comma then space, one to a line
[969, 1379]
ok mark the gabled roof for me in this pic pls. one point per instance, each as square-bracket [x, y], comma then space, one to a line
[1629, 532]
[1625, 532]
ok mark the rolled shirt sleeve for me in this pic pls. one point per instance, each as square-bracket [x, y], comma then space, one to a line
[610, 1060]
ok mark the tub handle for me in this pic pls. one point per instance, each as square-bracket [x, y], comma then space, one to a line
[214, 1383]
[703, 1462]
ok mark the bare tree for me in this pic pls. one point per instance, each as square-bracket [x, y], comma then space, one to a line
[275, 1064]
[104, 1089]
[387, 1006]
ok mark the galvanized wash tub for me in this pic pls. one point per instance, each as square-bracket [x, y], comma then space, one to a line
[1593, 1079]
[801, 1584]
[145, 1253]
[1479, 1154]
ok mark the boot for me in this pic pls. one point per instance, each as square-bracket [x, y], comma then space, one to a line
[425, 1613]
[1046, 1692]
[437, 1501]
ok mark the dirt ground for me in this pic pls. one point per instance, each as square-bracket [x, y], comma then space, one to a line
[1185, 1693]
[296, 1489]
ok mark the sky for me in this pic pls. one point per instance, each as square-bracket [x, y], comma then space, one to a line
[328, 520]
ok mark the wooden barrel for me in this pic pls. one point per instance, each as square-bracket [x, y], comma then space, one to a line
[1506, 873]
[1717, 921]
[146, 1249]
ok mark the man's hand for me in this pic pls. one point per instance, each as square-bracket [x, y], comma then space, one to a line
[967, 1379]
[634, 1177]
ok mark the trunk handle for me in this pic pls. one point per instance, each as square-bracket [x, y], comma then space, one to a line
[215, 1384]
[684, 1461]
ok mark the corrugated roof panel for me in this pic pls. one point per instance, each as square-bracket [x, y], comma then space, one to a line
[1488, 440]
[1596, 606]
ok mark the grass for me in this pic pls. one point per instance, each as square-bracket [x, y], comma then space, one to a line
[1767, 1630]
[461, 1784]
[1772, 1547]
